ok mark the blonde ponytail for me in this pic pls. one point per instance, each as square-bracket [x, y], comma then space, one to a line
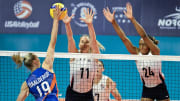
[18, 60]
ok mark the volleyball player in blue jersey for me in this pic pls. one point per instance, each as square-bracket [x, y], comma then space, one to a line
[154, 87]
[41, 83]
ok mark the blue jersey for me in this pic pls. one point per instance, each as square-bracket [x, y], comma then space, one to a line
[42, 85]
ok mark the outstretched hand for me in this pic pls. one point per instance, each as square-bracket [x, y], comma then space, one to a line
[67, 19]
[129, 13]
[88, 16]
[57, 12]
[108, 15]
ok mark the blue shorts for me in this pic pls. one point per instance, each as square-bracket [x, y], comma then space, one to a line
[51, 98]
[75, 96]
[159, 92]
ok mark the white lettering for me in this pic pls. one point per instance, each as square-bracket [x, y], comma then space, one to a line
[168, 23]
[21, 24]
[38, 80]
[161, 22]
[178, 23]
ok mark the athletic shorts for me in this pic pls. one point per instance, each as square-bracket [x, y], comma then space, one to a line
[72, 95]
[51, 98]
[159, 92]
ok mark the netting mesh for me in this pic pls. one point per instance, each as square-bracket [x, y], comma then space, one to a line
[123, 72]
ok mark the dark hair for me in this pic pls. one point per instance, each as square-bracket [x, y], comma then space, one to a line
[27, 60]
[153, 39]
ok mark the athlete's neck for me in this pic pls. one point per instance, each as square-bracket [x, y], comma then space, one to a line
[84, 51]
[96, 81]
[34, 68]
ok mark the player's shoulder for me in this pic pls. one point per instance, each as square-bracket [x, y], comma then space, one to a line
[110, 83]
[35, 74]
[108, 79]
[39, 71]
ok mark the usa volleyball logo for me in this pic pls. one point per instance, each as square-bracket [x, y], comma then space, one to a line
[78, 10]
[22, 9]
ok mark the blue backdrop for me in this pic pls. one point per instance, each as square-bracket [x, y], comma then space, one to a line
[158, 17]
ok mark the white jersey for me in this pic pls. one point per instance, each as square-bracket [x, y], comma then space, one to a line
[82, 73]
[150, 72]
[100, 91]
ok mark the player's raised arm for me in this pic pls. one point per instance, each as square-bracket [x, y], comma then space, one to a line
[89, 14]
[71, 43]
[110, 17]
[48, 62]
[129, 14]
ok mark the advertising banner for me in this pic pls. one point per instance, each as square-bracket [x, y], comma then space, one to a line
[158, 17]
[119, 6]
[25, 16]
[161, 17]
[77, 7]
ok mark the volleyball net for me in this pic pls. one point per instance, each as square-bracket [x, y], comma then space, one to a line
[121, 68]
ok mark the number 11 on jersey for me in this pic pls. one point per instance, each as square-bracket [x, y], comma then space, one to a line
[82, 72]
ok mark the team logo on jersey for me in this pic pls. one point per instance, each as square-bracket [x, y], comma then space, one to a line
[78, 10]
[171, 21]
[119, 15]
[102, 86]
[22, 9]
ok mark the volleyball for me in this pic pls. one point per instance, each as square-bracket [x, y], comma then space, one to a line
[61, 6]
